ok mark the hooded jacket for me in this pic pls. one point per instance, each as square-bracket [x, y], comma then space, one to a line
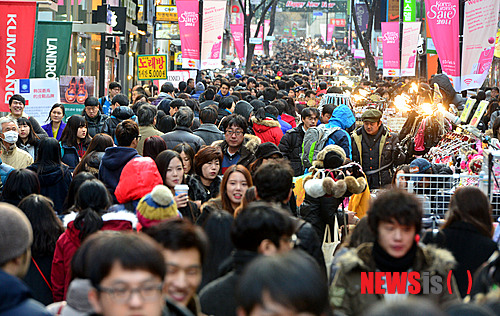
[284, 125]
[342, 117]
[54, 183]
[209, 133]
[345, 292]
[198, 90]
[289, 119]
[162, 96]
[15, 298]
[268, 130]
[69, 242]
[112, 164]
[139, 177]
[119, 114]
[94, 125]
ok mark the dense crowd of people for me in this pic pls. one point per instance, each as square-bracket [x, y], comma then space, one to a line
[216, 198]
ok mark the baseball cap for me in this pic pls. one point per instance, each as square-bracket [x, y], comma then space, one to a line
[419, 165]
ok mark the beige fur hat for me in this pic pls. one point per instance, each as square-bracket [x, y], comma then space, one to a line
[318, 163]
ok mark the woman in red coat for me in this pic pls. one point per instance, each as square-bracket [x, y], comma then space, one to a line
[266, 125]
[92, 201]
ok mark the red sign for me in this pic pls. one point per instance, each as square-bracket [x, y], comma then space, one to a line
[338, 22]
[17, 26]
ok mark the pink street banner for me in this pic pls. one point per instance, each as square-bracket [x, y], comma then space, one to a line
[443, 21]
[390, 44]
[237, 29]
[329, 35]
[411, 30]
[189, 27]
[17, 29]
[480, 28]
[212, 30]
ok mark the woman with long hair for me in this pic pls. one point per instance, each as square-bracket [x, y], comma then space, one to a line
[170, 166]
[78, 180]
[74, 141]
[20, 183]
[205, 183]
[153, 145]
[187, 155]
[92, 203]
[46, 231]
[53, 174]
[56, 125]
[466, 233]
[28, 140]
[92, 159]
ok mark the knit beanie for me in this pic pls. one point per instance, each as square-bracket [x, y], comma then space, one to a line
[16, 235]
[243, 108]
[156, 207]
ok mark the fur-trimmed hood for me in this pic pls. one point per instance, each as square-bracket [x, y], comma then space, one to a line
[111, 216]
[251, 142]
[267, 122]
[428, 258]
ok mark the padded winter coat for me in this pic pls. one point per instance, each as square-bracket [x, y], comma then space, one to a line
[268, 130]
[291, 148]
[182, 134]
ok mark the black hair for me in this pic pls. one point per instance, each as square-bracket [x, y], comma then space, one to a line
[133, 251]
[68, 136]
[121, 99]
[45, 224]
[182, 85]
[17, 97]
[193, 105]
[49, 154]
[235, 120]
[269, 94]
[164, 123]
[33, 138]
[163, 161]
[208, 115]
[99, 143]
[328, 109]
[209, 94]
[265, 84]
[19, 184]
[126, 132]
[260, 221]
[92, 101]
[114, 84]
[280, 106]
[226, 103]
[179, 234]
[75, 184]
[57, 105]
[395, 205]
[177, 103]
[92, 200]
[153, 145]
[274, 180]
[146, 114]
[322, 85]
[281, 85]
[308, 112]
[189, 151]
[167, 87]
[293, 280]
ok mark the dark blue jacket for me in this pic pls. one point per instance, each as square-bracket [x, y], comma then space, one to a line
[5, 170]
[48, 129]
[112, 163]
[70, 156]
[15, 298]
[54, 183]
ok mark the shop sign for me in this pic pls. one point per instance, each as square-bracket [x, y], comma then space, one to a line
[166, 13]
[40, 95]
[151, 67]
[409, 11]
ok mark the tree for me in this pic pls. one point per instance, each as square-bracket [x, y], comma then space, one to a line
[272, 21]
[365, 37]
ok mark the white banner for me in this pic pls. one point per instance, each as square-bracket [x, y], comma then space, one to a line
[409, 48]
[176, 76]
[212, 34]
[40, 95]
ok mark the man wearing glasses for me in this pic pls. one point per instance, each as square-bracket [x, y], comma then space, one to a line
[128, 280]
[237, 148]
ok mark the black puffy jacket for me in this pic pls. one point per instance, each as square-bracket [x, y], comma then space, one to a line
[319, 212]
[119, 114]
[291, 148]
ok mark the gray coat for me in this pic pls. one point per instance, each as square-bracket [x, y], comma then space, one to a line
[209, 133]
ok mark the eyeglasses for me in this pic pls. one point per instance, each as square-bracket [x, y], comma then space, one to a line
[139, 137]
[123, 294]
[231, 133]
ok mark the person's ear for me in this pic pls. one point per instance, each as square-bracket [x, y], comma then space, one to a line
[267, 248]
[289, 196]
[240, 312]
[93, 297]
[257, 197]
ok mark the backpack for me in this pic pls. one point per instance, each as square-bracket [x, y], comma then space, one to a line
[315, 140]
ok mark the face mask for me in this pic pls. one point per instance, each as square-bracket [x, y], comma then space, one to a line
[11, 137]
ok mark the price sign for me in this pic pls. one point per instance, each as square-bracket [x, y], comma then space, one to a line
[151, 67]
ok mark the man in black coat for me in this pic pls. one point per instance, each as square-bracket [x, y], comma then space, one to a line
[182, 134]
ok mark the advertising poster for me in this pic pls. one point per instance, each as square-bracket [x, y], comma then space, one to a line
[329, 35]
[362, 16]
[40, 95]
[189, 28]
[237, 31]
[480, 28]
[176, 76]
[17, 29]
[411, 30]
[443, 21]
[212, 29]
[150, 67]
[74, 90]
[390, 43]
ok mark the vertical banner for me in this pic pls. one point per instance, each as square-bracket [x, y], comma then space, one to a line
[443, 20]
[411, 30]
[409, 11]
[212, 30]
[17, 29]
[362, 16]
[480, 28]
[237, 30]
[189, 28]
[51, 52]
[390, 44]
[329, 35]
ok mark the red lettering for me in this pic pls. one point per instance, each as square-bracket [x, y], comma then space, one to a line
[414, 287]
[396, 282]
[366, 282]
[379, 282]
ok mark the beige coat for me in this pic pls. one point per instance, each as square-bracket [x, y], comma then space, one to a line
[16, 158]
[146, 131]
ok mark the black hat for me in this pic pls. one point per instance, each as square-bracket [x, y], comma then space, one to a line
[266, 150]
[333, 160]
[243, 108]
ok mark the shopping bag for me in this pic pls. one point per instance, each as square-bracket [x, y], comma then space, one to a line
[329, 246]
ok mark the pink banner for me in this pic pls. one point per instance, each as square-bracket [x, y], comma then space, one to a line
[189, 27]
[213, 28]
[443, 21]
[390, 44]
[329, 35]
[237, 29]
[411, 30]
[480, 28]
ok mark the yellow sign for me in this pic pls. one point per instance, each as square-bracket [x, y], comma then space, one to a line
[467, 109]
[151, 67]
[178, 59]
[483, 105]
[166, 13]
